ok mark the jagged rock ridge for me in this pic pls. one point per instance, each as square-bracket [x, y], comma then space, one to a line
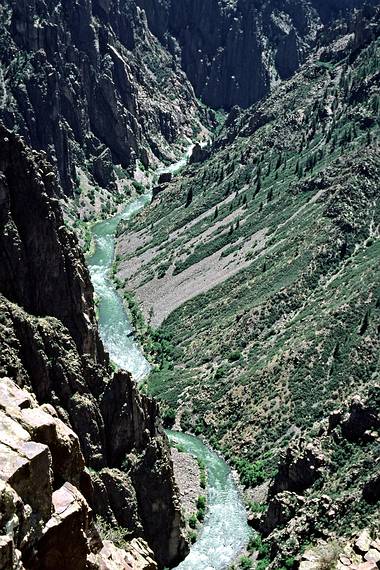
[89, 84]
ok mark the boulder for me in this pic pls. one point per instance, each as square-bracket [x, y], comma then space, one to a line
[363, 542]
[122, 499]
[372, 555]
[64, 545]
[27, 470]
[12, 396]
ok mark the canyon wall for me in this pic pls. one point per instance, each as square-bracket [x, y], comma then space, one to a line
[52, 357]
[235, 52]
[89, 84]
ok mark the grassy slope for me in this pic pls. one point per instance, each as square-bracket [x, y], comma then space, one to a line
[275, 348]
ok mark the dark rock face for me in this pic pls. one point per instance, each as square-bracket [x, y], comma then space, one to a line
[50, 345]
[360, 421]
[233, 52]
[165, 177]
[41, 266]
[79, 80]
[299, 470]
[199, 154]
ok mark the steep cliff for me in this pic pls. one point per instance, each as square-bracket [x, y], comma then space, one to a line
[50, 346]
[89, 84]
[234, 52]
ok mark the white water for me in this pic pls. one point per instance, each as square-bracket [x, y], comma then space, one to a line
[114, 325]
[225, 531]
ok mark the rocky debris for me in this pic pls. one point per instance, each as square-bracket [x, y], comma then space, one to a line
[187, 478]
[355, 554]
[282, 508]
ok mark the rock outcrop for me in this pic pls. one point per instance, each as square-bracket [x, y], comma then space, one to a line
[50, 347]
[362, 552]
[312, 472]
[46, 522]
[89, 84]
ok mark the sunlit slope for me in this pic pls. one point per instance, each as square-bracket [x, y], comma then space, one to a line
[262, 261]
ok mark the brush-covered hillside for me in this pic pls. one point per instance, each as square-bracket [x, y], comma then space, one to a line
[257, 271]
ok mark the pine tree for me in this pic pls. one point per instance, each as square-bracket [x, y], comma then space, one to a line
[189, 198]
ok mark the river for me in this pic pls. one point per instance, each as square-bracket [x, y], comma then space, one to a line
[225, 531]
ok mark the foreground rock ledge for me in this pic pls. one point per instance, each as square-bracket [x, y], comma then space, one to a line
[42, 528]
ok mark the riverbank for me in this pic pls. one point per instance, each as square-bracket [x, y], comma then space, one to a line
[225, 532]
[191, 480]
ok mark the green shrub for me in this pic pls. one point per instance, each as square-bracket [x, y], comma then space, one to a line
[138, 187]
[245, 563]
[201, 502]
[251, 474]
[263, 564]
[168, 417]
[116, 534]
[234, 356]
[220, 372]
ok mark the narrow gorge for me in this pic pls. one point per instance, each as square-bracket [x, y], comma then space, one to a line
[189, 284]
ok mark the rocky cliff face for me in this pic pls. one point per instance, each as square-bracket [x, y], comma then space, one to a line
[327, 480]
[50, 347]
[41, 266]
[235, 52]
[89, 84]
[46, 521]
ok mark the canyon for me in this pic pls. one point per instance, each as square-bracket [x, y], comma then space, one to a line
[245, 274]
